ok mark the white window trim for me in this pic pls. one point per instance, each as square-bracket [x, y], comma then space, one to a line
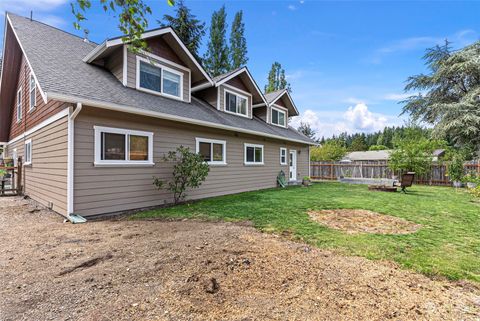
[28, 142]
[238, 95]
[283, 149]
[30, 107]
[162, 68]
[280, 110]
[19, 105]
[98, 147]
[213, 141]
[245, 162]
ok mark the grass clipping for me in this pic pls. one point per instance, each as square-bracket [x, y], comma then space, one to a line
[362, 221]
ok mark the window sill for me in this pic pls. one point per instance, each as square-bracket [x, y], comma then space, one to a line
[28, 164]
[253, 164]
[157, 93]
[216, 164]
[123, 164]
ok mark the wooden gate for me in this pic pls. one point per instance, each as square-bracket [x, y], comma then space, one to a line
[11, 177]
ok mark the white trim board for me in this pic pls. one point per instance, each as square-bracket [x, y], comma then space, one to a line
[148, 113]
[44, 96]
[44, 123]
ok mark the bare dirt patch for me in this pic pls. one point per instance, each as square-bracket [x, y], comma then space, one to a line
[192, 270]
[362, 221]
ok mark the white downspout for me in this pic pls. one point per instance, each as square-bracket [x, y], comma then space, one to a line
[71, 159]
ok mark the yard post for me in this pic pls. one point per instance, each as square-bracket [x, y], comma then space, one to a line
[19, 186]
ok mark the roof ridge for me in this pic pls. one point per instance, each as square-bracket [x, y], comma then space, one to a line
[93, 43]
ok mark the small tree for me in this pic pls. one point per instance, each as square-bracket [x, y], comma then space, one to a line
[189, 171]
[455, 169]
[377, 147]
[330, 151]
[414, 154]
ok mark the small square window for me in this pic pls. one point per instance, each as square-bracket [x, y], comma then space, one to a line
[278, 117]
[213, 151]
[253, 154]
[236, 103]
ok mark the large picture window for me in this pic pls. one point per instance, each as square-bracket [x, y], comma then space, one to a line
[213, 151]
[279, 117]
[235, 103]
[116, 146]
[253, 154]
[158, 79]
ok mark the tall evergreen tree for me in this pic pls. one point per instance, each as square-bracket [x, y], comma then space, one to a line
[216, 57]
[277, 79]
[307, 130]
[238, 43]
[187, 26]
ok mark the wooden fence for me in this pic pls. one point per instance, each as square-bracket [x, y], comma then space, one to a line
[11, 177]
[379, 169]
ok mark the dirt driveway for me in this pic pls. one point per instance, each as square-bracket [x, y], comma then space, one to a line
[190, 270]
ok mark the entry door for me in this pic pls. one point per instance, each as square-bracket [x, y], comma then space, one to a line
[293, 165]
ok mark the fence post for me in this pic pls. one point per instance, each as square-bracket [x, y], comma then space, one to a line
[19, 176]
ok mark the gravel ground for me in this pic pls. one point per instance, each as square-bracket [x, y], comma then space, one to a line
[192, 270]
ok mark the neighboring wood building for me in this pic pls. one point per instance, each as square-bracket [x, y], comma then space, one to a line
[93, 121]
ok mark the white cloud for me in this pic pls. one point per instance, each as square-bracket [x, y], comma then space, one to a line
[355, 119]
[291, 7]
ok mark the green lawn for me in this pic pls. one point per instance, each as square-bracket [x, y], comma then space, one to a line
[448, 244]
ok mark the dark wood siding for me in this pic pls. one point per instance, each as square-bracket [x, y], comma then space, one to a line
[41, 112]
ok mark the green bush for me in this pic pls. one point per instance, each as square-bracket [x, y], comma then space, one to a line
[189, 171]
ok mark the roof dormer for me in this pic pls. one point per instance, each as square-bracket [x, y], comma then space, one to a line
[278, 109]
[234, 92]
[166, 69]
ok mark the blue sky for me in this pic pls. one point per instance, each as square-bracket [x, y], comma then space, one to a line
[347, 61]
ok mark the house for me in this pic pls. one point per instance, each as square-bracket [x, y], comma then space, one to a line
[371, 155]
[92, 121]
[382, 155]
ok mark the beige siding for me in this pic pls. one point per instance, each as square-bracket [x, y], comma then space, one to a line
[45, 180]
[132, 73]
[221, 91]
[100, 190]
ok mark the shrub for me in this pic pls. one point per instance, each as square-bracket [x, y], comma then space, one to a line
[475, 191]
[455, 169]
[330, 151]
[378, 147]
[189, 171]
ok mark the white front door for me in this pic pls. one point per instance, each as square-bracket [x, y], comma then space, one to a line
[293, 165]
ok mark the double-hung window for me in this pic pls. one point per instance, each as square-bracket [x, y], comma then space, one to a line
[235, 103]
[253, 154]
[214, 152]
[28, 152]
[157, 79]
[33, 93]
[116, 146]
[283, 156]
[19, 105]
[279, 117]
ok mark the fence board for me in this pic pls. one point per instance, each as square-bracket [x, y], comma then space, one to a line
[379, 169]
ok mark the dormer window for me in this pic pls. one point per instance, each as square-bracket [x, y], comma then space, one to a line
[235, 103]
[279, 117]
[157, 79]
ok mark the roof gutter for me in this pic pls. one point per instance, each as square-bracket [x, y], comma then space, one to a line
[92, 55]
[202, 86]
[133, 110]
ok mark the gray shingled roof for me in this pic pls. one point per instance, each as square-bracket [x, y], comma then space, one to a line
[225, 75]
[56, 58]
[273, 95]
